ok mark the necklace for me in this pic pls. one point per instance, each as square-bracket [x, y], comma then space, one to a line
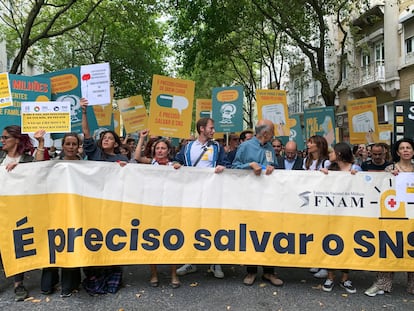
[404, 168]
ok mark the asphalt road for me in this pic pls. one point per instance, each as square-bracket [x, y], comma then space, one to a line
[201, 291]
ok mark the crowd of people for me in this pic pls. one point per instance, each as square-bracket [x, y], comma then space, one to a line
[258, 151]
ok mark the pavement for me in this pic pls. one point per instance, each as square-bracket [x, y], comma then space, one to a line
[201, 291]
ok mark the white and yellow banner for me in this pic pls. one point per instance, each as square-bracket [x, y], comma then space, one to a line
[84, 213]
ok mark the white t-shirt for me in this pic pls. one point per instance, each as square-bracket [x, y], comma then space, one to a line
[8, 160]
[207, 158]
[323, 164]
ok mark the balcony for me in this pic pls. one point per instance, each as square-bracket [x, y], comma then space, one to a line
[369, 76]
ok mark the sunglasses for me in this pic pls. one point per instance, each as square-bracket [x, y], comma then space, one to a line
[5, 137]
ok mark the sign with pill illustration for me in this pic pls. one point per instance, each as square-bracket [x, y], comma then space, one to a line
[363, 125]
[227, 109]
[320, 121]
[272, 105]
[203, 108]
[171, 107]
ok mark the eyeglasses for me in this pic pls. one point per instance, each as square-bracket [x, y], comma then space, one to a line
[5, 137]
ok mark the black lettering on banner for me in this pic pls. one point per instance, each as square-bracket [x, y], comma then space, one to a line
[339, 244]
[167, 239]
[410, 241]
[109, 239]
[53, 247]
[289, 238]
[304, 240]
[396, 248]
[91, 236]
[369, 249]
[149, 236]
[229, 235]
[20, 243]
[201, 236]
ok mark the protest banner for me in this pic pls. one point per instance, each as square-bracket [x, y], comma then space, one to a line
[363, 120]
[320, 121]
[227, 109]
[171, 107]
[272, 105]
[24, 89]
[203, 108]
[53, 117]
[96, 83]
[403, 120]
[5, 93]
[83, 213]
[296, 133]
[66, 86]
[134, 114]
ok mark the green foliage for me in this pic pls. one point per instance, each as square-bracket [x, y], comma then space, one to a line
[127, 34]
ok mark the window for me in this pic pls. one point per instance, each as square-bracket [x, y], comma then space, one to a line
[409, 45]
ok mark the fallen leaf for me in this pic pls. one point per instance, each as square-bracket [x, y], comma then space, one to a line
[303, 281]
[262, 285]
[228, 307]
[29, 298]
[138, 295]
[320, 303]
[274, 293]
[344, 295]
[47, 299]
[37, 300]
[317, 287]
[194, 284]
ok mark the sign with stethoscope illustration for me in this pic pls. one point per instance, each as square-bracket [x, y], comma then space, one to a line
[227, 107]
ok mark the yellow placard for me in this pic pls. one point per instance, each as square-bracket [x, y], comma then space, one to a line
[272, 105]
[203, 108]
[53, 117]
[363, 120]
[134, 114]
[171, 107]
[5, 93]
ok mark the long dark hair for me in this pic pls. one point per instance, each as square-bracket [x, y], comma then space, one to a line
[322, 145]
[343, 153]
[117, 140]
[25, 143]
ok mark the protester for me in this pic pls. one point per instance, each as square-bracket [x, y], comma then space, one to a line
[245, 135]
[341, 159]
[258, 154]
[107, 148]
[14, 148]
[204, 152]
[317, 159]
[291, 160]
[403, 153]
[70, 277]
[378, 161]
[161, 156]
[101, 280]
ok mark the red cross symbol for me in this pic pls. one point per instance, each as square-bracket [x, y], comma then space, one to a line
[392, 203]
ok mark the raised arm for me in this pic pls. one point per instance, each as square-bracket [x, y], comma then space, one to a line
[85, 125]
[40, 152]
[138, 157]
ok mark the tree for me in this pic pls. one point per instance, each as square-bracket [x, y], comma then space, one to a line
[306, 23]
[35, 20]
[227, 42]
[127, 34]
